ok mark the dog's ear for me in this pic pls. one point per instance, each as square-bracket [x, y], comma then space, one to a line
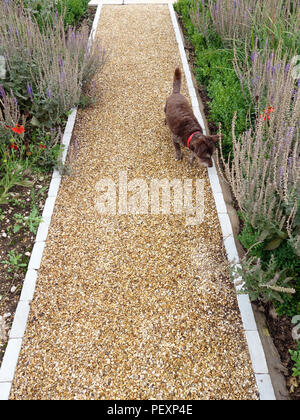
[215, 138]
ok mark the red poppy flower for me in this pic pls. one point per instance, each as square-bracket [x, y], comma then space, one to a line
[14, 146]
[42, 146]
[19, 129]
[266, 114]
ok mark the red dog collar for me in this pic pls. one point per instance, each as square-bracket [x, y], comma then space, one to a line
[190, 138]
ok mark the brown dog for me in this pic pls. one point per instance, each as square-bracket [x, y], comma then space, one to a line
[185, 128]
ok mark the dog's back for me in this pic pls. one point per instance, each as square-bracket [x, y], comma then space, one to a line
[179, 114]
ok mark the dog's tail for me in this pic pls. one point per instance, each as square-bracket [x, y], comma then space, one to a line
[177, 80]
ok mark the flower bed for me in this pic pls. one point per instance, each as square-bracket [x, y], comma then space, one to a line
[245, 56]
[48, 68]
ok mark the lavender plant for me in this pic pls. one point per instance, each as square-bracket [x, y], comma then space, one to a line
[266, 284]
[47, 71]
[9, 110]
[264, 172]
[244, 20]
[264, 74]
[44, 10]
[272, 86]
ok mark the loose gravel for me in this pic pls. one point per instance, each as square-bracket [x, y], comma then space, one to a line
[132, 306]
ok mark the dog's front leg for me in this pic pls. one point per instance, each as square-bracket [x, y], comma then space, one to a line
[178, 154]
[191, 158]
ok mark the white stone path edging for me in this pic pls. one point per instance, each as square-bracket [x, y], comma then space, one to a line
[17, 332]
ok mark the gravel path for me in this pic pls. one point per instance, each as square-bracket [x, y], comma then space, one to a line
[132, 306]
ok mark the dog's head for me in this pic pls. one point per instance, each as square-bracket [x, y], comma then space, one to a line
[203, 147]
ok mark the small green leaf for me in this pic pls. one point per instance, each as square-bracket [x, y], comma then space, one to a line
[270, 246]
[283, 235]
[17, 228]
[3, 200]
[265, 233]
[25, 183]
[35, 122]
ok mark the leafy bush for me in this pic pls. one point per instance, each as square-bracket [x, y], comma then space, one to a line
[290, 304]
[44, 10]
[72, 10]
[284, 259]
[224, 89]
[295, 356]
[41, 10]
[266, 283]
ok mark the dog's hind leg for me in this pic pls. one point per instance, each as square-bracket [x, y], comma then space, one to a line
[176, 142]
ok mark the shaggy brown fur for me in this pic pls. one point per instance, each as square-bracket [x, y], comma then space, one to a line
[182, 123]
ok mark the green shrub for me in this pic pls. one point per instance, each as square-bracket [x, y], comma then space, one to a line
[259, 282]
[41, 10]
[250, 239]
[227, 100]
[284, 259]
[72, 10]
[295, 356]
[44, 10]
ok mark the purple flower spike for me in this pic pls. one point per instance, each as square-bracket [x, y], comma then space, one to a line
[2, 92]
[281, 172]
[286, 69]
[29, 91]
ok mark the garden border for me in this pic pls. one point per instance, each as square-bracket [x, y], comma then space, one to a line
[11, 355]
[9, 363]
